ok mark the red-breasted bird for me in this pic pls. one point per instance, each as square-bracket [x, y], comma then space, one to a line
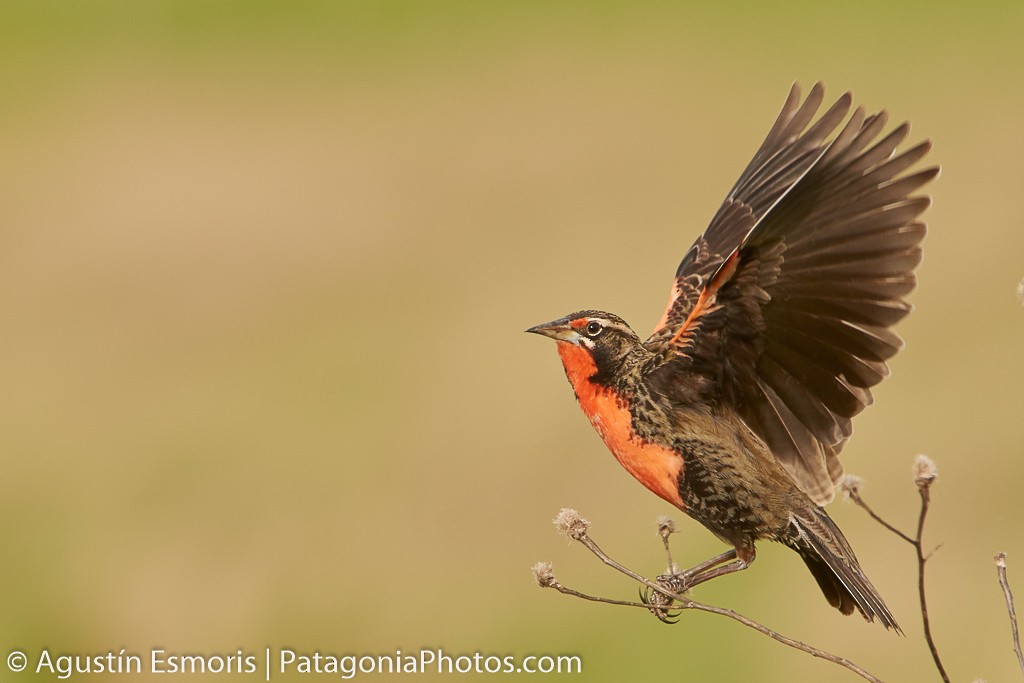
[778, 324]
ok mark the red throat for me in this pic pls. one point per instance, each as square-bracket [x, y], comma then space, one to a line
[654, 466]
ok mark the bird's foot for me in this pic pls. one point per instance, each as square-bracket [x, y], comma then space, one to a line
[661, 604]
[677, 581]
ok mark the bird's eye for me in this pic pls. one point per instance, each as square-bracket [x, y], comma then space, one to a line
[594, 328]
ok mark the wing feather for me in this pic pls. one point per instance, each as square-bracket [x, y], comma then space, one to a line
[782, 309]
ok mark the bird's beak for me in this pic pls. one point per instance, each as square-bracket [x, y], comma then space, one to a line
[557, 330]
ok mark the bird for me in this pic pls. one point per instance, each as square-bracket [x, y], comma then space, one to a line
[778, 325]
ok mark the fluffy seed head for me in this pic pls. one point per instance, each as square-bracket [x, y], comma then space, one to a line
[925, 471]
[850, 486]
[571, 524]
[543, 574]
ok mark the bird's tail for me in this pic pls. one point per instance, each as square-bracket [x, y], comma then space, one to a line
[832, 562]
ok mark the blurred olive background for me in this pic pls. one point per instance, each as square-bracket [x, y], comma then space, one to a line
[264, 271]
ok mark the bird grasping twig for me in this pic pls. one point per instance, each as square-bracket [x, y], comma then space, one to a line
[666, 592]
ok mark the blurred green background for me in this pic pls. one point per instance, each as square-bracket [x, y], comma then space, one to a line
[264, 271]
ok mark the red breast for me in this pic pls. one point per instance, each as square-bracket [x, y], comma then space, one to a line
[654, 466]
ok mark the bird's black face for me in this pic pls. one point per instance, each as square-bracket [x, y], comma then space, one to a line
[605, 338]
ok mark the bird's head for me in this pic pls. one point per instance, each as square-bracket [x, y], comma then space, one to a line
[594, 345]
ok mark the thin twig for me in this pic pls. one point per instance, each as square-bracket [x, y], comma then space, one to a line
[575, 528]
[565, 590]
[855, 497]
[587, 541]
[725, 612]
[921, 560]
[925, 474]
[666, 527]
[1001, 570]
[813, 651]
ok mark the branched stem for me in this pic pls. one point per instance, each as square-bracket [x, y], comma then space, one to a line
[921, 560]
[923, 487]
[676, 600]
[855, 497]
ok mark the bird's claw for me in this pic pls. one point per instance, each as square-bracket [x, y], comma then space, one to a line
[659, 603]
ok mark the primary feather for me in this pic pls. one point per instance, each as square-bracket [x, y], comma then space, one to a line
[783, 307]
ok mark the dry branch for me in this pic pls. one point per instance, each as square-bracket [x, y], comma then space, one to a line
[1005, 584]
[925, 474]
[666, 593]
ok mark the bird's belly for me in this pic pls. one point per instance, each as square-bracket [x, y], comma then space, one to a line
[728, 494]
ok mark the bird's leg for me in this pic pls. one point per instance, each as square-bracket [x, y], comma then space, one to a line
[682, 581]
[741, 557]
[734, 560]
[737, 559]
[721, 570]
[705, 566]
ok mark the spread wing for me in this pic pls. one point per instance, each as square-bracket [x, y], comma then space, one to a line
[782, 309]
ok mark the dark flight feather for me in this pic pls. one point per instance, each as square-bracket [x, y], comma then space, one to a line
[782, 309]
